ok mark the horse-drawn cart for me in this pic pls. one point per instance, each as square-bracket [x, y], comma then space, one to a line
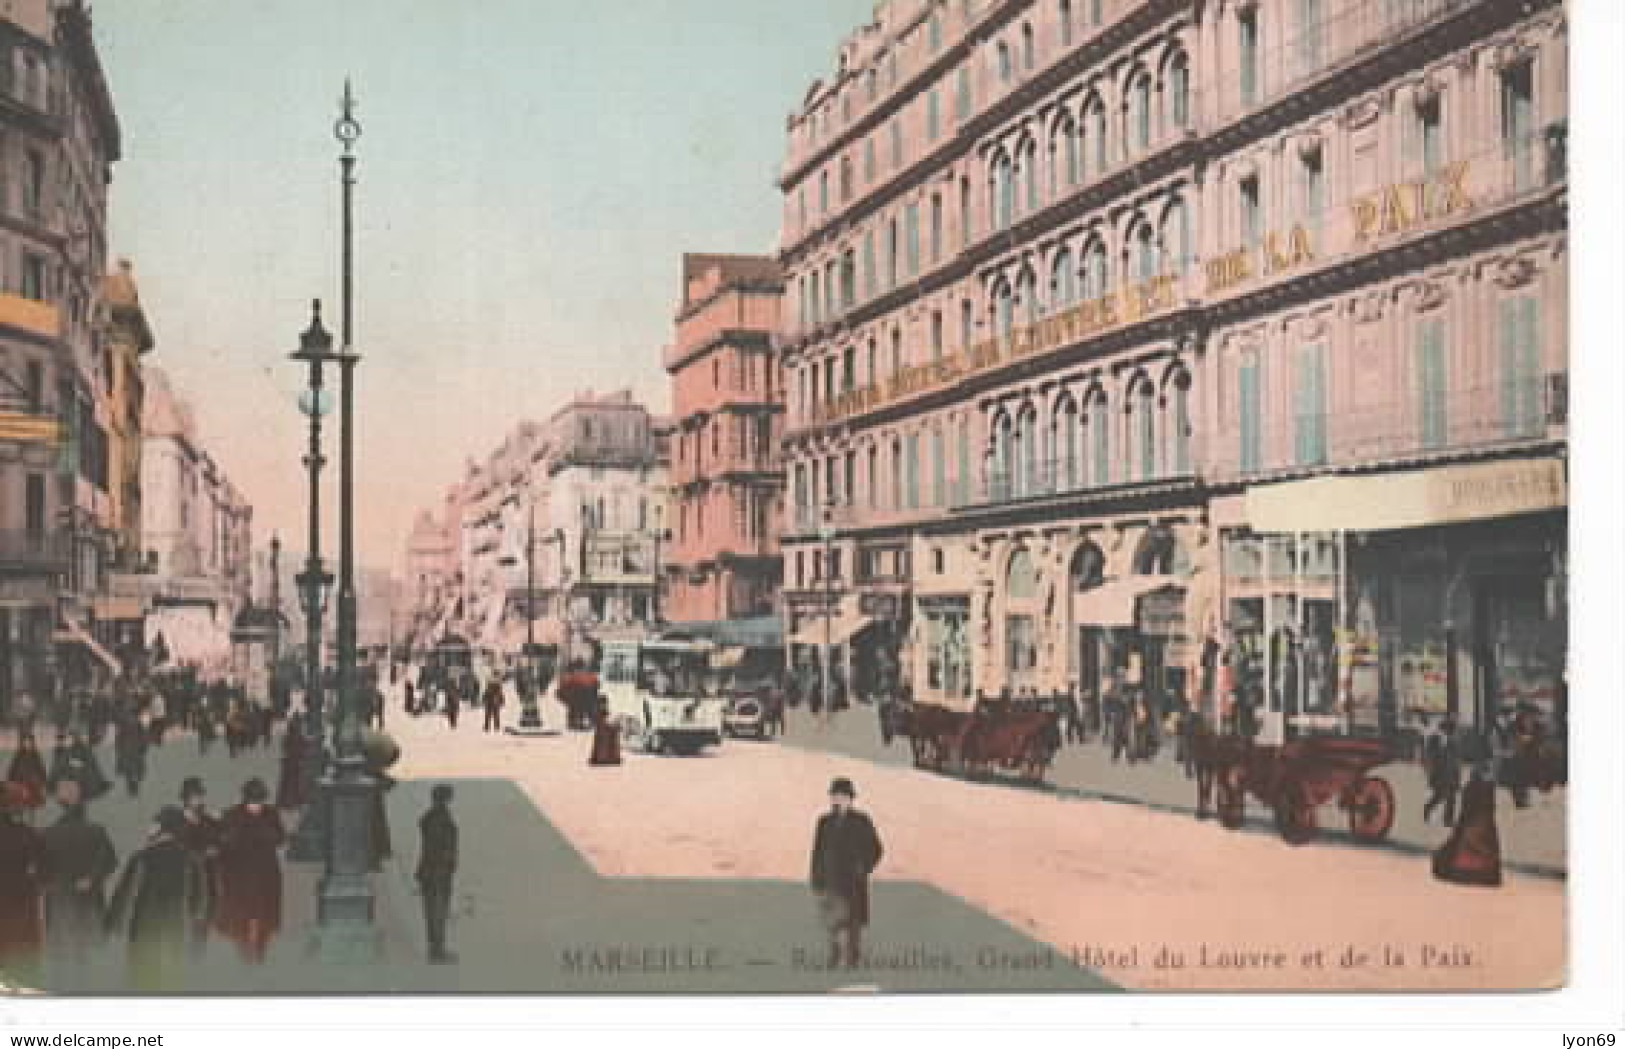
[1295, 779]
[994, 735]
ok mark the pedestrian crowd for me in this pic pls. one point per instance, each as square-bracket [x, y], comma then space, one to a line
[196, 875]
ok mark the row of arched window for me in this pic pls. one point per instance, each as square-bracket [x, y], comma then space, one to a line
[1155, 244]
[1083, 143]
[1082, 442]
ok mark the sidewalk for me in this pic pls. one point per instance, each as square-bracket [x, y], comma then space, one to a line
[1533, 840]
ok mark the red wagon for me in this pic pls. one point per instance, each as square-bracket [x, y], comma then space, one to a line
[1297, 778]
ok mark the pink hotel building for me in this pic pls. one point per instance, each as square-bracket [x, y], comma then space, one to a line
[727, 486]
[1127, 340]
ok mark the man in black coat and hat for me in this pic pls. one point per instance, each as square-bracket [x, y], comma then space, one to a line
[437, 867]
[79, 858]
[845, 852]
[160, 894]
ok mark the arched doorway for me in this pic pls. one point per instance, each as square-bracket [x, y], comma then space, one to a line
[1154, 649]
[1021, 621]
[1090, 642]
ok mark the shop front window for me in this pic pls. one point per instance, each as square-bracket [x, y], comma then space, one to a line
[948, 667]
[1021, 646]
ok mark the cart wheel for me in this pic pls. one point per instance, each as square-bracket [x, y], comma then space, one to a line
[1370, 802]
[1232, 799]
[1294, 815]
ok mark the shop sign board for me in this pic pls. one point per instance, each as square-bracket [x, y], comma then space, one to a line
[1414, 499]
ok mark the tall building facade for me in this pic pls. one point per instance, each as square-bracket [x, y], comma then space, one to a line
[59, 504]
[563, 522]
[727, 489]
[1132, 339]
[604, 501]
[199, 534]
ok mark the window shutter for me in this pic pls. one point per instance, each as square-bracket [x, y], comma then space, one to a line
[1409, 134]
[1248, 414]
[1434, 376]
[869, 265]
[1511, 377]
[1531, 370]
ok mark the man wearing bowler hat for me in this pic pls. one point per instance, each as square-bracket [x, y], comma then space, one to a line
[845, 852]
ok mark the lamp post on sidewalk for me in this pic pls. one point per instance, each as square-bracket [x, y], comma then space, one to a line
[530, 717]
[826, 532]
[345, 902]
[315, 349]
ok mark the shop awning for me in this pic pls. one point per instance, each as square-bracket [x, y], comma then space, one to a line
[125, 607]
[1412, 499]
[72, 632]
[1111, 604]
[839, 632]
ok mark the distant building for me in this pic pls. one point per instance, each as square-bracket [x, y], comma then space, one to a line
[198, 531]
[564, 519]
[727, 487]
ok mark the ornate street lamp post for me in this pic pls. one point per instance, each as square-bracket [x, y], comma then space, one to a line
[315, 349]
[345, 905]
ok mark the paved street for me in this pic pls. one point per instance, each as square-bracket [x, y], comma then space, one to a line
[1125, 882]
[1533, 840]
[688, 875]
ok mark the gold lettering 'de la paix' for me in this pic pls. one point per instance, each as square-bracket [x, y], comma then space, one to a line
[1392, 210]
[1277, 254]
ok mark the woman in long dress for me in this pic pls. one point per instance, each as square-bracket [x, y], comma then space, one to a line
[250, 911]
[606, 737]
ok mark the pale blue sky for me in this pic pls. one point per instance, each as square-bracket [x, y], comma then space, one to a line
[531, 172]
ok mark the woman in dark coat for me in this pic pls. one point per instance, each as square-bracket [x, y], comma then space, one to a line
[130, 742]
[290, 787]
[28, 772]
[22, 867]
[250, 911]
[73, 759]
[160, 894]
[606, 737]
[1472, 853]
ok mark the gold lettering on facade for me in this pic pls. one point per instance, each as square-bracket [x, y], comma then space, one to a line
[1365, 218]
[1451, 186]
[1123, 306]
[1405, 206]
[1229, 270]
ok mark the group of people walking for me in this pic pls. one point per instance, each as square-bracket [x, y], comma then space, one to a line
[197, 875]
[448, 694]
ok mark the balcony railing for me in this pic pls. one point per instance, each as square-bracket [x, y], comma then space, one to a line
[21, 548]
[1063, 476]
[1479, 417]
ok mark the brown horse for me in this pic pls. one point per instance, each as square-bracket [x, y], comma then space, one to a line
[1225, 762]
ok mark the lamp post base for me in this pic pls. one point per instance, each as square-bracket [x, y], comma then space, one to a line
[309, 841]
[346, 904]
